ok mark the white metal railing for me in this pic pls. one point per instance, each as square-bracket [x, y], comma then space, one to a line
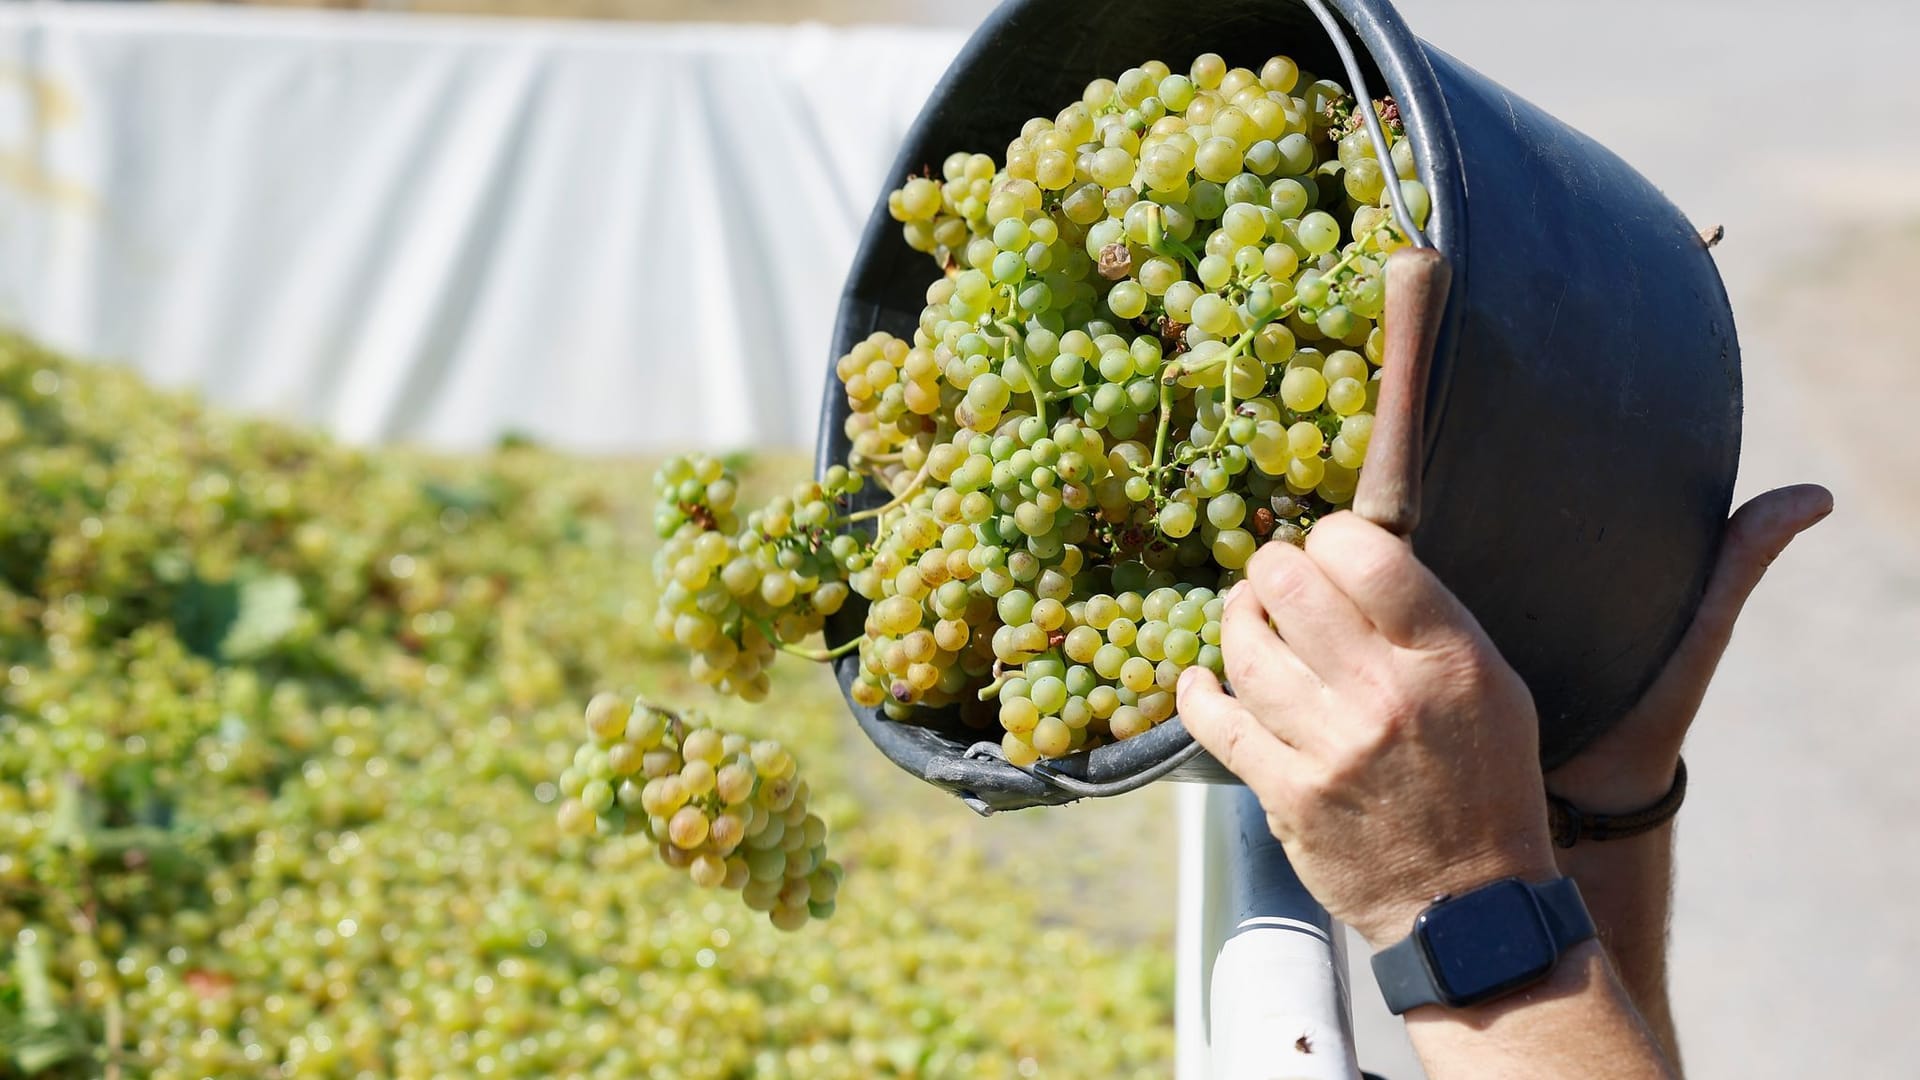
[1262, 968]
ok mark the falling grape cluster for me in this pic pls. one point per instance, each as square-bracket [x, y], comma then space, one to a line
[729, 811]
[1152, 344]
[731, 591]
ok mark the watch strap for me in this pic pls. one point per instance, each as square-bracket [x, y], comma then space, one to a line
[1569, 824]
[1565, 913]
[1406, 982]
[1401, 972]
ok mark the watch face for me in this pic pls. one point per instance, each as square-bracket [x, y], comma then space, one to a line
[1490, 940]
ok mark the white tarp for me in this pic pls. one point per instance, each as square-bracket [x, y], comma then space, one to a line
[436, 230]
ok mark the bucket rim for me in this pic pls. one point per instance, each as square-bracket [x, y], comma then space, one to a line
[1403, 64]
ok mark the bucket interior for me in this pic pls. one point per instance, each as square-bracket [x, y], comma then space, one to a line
[1032, 58]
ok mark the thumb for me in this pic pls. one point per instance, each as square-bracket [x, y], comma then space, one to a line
[1756, 535]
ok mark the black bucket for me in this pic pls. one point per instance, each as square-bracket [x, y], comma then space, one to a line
[1582, 415]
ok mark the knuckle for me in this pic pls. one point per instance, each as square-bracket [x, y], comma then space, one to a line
[1281, 825]
[1461, 664]
[1227, 733]
[1243, 616]
[1338, 774]
[1243, 665]
[1375, 570]
[1331, 526]
[1392, 714]
[1368, 554]
[1229, 737]
[1281, 577]
[1395, 713]
[1383, 729]
[1266, 556]
[1324, 536]
[1340, 533]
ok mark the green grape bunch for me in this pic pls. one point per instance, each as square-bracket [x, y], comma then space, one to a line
[734, 591]
[729, 811]
[1152, 344]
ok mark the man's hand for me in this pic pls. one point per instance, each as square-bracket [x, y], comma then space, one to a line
[1627, 883]
[1632, 765]
[1397, 756]
[1394, 750]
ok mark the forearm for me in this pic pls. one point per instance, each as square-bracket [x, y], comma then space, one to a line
[1628, 887]
[1628, 882]
[1579, 1022]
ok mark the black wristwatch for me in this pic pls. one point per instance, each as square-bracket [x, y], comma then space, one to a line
[1470, 949]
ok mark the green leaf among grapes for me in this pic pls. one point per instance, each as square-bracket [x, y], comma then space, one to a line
[237, 620]
[470, 498]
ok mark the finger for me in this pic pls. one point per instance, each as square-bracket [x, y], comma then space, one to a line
[1249, 641]
[1235, 739]
[1756, 535]
[1267, 677]
[1318, 622]
[1389, 586]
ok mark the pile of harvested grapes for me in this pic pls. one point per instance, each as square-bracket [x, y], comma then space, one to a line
[279, 722]
[1151, 344]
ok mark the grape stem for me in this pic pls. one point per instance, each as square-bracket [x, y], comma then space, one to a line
[913, 488]
[821, 656]
[1036, 384]
[1160, 243]
[992, 689]
[1160, 436]
[1071, 391]
[1226, 409]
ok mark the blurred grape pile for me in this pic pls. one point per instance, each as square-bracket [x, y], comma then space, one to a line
[278, 720]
